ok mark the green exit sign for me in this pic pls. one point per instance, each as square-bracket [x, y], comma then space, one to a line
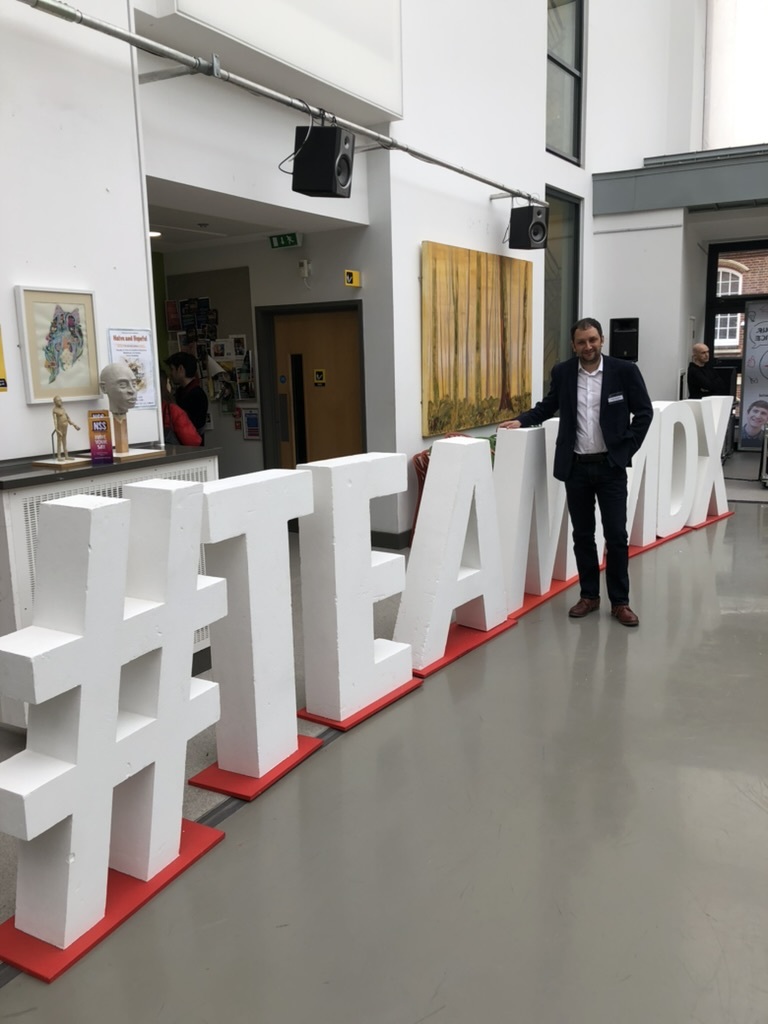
[288, 241]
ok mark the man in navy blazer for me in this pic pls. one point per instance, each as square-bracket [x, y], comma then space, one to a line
[605, 413]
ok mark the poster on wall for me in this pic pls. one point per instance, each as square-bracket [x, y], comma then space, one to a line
[135, 347]
[211, 327]
[172, 315]
[754, 377]
[251, 425]
[198, 320]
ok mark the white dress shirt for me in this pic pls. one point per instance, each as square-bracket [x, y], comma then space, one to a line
[589, 436]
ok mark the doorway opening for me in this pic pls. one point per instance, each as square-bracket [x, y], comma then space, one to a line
[737, 272]
[311, 382]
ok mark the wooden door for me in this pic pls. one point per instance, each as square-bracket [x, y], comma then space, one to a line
[319, 385]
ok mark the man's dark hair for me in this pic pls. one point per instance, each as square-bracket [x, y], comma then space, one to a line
[186, 361]
[585, 324]
[759, 404]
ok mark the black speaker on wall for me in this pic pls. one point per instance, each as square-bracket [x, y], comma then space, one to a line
[528, 227]
[323, 162]
[623, 338]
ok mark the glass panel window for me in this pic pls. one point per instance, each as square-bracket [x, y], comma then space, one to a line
[728, 282]
[564, 92]
[728, 328]
[736, 274]
[563, 30]
[561, 113]
[743, 271]
[561, 277]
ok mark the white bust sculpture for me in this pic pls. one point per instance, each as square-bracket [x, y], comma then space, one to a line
[119, 385]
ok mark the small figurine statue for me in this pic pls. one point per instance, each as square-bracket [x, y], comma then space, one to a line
[119, 385]
[61, 422]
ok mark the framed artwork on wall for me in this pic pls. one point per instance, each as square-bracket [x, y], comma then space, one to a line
[476, 338]
[57, 334]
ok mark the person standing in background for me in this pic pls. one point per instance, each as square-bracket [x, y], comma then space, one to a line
[190, 395]
[703, 379]
[178, 428]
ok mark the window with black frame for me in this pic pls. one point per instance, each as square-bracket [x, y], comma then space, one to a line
[561, 276]
[737, 273]
[564, 77]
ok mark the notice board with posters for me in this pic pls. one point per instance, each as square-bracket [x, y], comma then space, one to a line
[753, 415]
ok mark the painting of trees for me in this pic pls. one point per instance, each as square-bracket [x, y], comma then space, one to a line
[476, 338]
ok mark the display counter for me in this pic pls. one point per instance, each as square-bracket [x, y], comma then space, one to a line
[24, 487]
[19, 473]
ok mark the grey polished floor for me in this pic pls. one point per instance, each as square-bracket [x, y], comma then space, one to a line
[569, 826]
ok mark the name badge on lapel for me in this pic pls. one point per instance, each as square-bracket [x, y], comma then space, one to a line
[615, 398]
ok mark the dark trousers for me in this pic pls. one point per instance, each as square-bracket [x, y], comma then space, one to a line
[606, 484]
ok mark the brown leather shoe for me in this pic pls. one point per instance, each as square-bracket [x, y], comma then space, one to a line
[625, 615]
[583, 607]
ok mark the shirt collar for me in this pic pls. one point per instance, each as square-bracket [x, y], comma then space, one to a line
[594, 372]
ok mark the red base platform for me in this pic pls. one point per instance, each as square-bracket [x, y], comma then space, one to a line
[712, 519]
[531, 601]
[462, 640]
[125, 895]
[633, 550]
[360, 716]
[248, 787]
[638, 550]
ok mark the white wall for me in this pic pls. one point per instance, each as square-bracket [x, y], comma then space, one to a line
[644, 80]
[334, 50]
[352, 45]
[480, 103]
[474, 86]
[639, 272]
[736, 114]
[72, 196]
[213, 136]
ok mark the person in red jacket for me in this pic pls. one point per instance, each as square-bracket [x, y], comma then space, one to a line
[189, 394]
[177, 426]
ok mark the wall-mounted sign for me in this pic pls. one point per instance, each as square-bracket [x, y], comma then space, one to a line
[352, 278]
[172, 315]
[290, 240]
[251, 425]
[318, 378]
